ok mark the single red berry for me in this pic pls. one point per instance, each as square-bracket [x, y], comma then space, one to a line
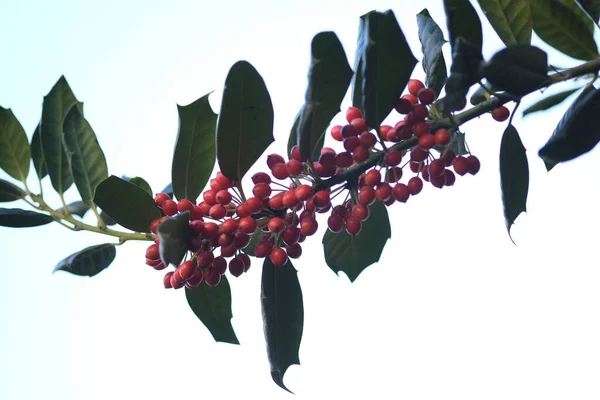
[169, 207]
[420, 112]
[361, 154]
[438, 181]
[360, 124]
[185, 270]
[293, 167]
[393, 174]
[280, 171]
[196, 279]
[205, 207]
[322, 199]
[225, 239]
[212, 277]
[294, 250]
[401, 192]
[426, 95]
[223, 197]
[336, 133]
[414, 185]
[228, 251]
[500, 114]
[450, 177]
[261, 191]
[353, 113]
[403, 106]
[442, 137]
[391, 135]
[263, 249]
[327, 160]
[276, 225]
[414, 85]
[289, 199]
[304, 192]
[335, 223]
[153, 263]
[353, 226]
[215, 186]
[419, 154]
[436, 168]
[461, 165]
[366, 195]
[427, 141]
[204, 258]
[152, 252]
[261, 177]
[383, 191]
[167, 280]
[196, 212]
[372, 177]
[351, 143]
[176, 282]
[236, 267]
[210, 230]
[255, 204]
[240, 240]
[210, 197]
[296, 155]
[229, 226]
[393, 158]
[349, 131]
[154, 224]
[474, 164]
[273, 159]
[278, 257]
[420, 128]
[217, 211]
[246, 260]
[367, 139]
[197, 227]
[344, 159]
[360, 211]
[224, 181]
[220, 265]
[309, 226]
[290, 235]
[276, 202]
[160, 198]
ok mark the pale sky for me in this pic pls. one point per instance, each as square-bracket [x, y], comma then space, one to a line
[453, 309]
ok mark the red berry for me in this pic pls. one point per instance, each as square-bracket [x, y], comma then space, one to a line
[229, 226]
[403, 105]
[366, 195]
[420, 128]
[196, 212]
[351, 143]
[261, 191]
[427, 141]
[223, 197]
[415, 185]
[241, 240]
[289, 199]
[293, 167]
[393, 158]
[205, 207]
[210, 230]
[348, 131]
[419, 154]
[261, 177]
[360, 211]
[167, 280]
[160, 198]
[296, 155]
[263, 249]
[412, 99]
[438, 181]
[212, 277]
[196, 279]
[442, 137]
[436, 168]
[224, 181]
[273, 159]
[304, 192]
[414, 85]
[228, 251]
[361, 154]
[393, 175]
[290, 235]
[322, 199]
[217, 211]
[367, 139]
[294, 250]
[401, 192]
[353, 226]
[236, 267]
[209, 197]
[450, 177]
[185, 270]
[276, 202]
[215, 186]
[383, 191]
[220, 265]
[426, 95]
[500, 114]
[336, 133]
[255, 204]
[278, 257]
[276, 225]
[197, 227]
[344, 159]
[335, 223]
[353, 113]
[152, 252]
[309, 226]
[279, 171]
[169, 207]
[420, 112]
[461, 165]
[373, 177]
[205, 258]
[474, 164]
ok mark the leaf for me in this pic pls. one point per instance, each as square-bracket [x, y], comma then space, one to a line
[585, 18]
[78, 208]
[129, 205]
[328, 79]
[591, 7]
[458, 144]
[254, 239]
[573, 136]
[108, 221]
[283, 317]
[89, 261]
[464, 73]
[462, 21]
[511, 19]
[195, 149]
[174, 234]
[19, 218]
[549, 101]
[56, 106]
[141, 183]
[514, 175]
[479, 96]
[37, 155]
[563, 29]
[432, 40]
[518, 69]
[385, 64]
[14, 147]
[245, 123]
[10, 192]
[212, 305]
[352, 254]
[86, 158]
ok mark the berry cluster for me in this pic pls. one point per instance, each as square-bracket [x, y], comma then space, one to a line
[280, 214]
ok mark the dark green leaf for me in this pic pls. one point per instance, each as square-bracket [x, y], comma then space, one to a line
[18, 218]
[37, 155]
[174, 234]
[514, 175]
[518, 69]
[141, 182]
[86, 158]
[78, 208]
[432, 40]
[464, 73]
[283, 317]
[328, 79]
[14, 147]
[195, 149]
[585, 18]
[549, 101]
[352, 254]
[563, 29]
[10, 192]
[212, 305]
[462, 21]
[56, 106]
[129, 205]
[458, 144]
[479, 96]
[591, 7]
[573, 136]
[245, 123]
[511, 19]
[385, 64]
[254, 239]
[89, 261]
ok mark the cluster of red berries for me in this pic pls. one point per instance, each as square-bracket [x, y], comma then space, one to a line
[282, 215]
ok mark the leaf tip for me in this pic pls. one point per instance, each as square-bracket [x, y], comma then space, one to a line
[277, 377]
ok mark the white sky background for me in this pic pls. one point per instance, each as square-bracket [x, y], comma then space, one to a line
[453, 310]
